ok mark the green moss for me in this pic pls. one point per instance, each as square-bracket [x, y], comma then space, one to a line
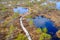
[44, 30]
[39, 30]
[15, 15]
[31, 22]
[4, 9]
[1, 5]
[45, 36]
[21, 37]
[11, 28]
[5, 23]
[29, 16]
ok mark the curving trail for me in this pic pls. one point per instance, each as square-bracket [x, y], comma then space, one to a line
[24, 29]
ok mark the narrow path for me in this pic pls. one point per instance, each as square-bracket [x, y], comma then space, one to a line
[24, 29]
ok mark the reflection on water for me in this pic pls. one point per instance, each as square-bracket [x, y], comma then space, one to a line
[20, 10]
[42, 22]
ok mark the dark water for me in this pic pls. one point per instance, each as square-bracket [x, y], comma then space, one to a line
[41, 22]
[20, 10]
